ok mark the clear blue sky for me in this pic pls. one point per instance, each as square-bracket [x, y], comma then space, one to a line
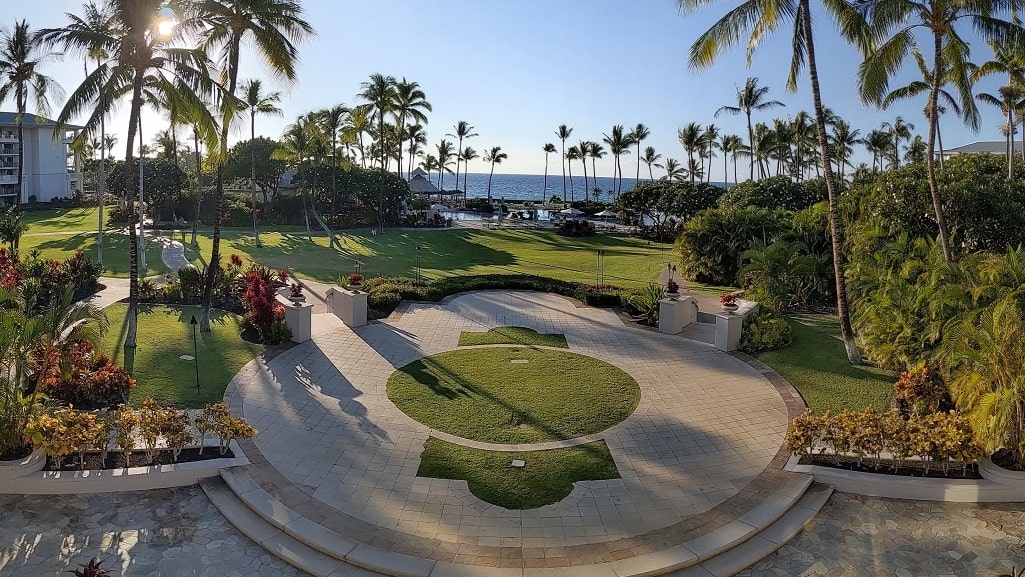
[516, 70]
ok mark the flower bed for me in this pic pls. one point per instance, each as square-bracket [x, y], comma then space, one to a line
[96, 460]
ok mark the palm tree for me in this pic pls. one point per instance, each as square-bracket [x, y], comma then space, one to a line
[298, 148]
[1007, 60]
[98, 23]
[651, 159]
[277, 28]
[898, 130]
[708, 139]
[761, 19]
[563, 133]
[257, 102]
[1008, 100]
[732, 145]
[916, 150]
[470, 154]
[333, 121]
[843, 141]
[140, 58]
[22, 58]
[429, 164]
[749, 98]
[572, 153]
[673, 170]
[582, 150]
[463, 130]
[878, 145]
[638, 135]
[445, 156]
[494, 156]
[619, 144]
[950, 63]
[410, 102]
[690, 137]
[380, 94]
[595, 151]
[802, 130]
[417, 137]
[548, 148]
[359, 123]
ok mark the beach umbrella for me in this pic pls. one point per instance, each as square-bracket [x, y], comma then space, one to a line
[605, 214]
[571, 212]
[438, 207]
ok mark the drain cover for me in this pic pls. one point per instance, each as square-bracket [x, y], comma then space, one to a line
[519, 361]
[518, 463]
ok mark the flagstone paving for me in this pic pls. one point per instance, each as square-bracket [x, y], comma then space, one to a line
[706, 426]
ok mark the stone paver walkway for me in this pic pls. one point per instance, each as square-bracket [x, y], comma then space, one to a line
[173, 532]
[707, 424]
[855, 536]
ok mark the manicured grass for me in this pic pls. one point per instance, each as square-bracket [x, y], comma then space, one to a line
[164, 334]
[64, 219]
[817, 366]
[513, 336]
[547, 478]
[115, 251]
[628, 262]
[491, 395]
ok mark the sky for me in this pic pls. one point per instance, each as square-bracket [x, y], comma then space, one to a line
[517, 70]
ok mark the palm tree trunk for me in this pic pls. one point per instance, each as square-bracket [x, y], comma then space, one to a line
[199, 185]
[133, 237]
[751, 142]
[1010, 142]
[846, 330]
[572, 196]
[725, 168]
[930, 161]
[638, 175]
[587, 189]
[489, 180]
[651, 176]
[380, 178]
[142, 199]
[252, 150]
[459, 156]
[101, 186]
[544, 192]
[735, 182]
[563, 169]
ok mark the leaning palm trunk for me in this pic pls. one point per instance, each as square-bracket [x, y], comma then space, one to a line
[846, 330]
[930, 160]
[133, 237]
[199, 187]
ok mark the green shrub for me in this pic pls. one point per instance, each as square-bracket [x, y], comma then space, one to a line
[711, 243]
[778, 192]
[765, 331]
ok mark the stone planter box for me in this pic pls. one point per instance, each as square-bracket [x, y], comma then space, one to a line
[32, 480]
[299, 318]
[349, 305]
[30, 464]
[984, 490]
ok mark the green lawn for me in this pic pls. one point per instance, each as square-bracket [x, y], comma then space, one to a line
[115, 251]
[164, 334]
[817, 366]
[547, 478]
[513, 336]
[63, 220]
[492, 395]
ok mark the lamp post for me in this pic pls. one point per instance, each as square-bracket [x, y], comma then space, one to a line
[419, 279]
[195, 349]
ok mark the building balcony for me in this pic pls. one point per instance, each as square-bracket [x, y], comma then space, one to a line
[8, 180]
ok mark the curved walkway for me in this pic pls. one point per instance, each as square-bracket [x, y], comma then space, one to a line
[707, 426]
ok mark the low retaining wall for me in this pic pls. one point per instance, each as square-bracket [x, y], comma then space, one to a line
[997, 486]
[29, 479]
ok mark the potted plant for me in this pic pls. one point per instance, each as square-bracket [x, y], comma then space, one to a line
[296, 293]
[355, 280]
[728, 301]
[283, 276]
[672, 288]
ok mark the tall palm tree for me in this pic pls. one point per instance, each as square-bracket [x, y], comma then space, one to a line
[380, 94]
[802, 129]
[23, 55]
[916, 150]
[494, 156]
[276, 28]
[548, 148]
[1008, 99]
[651, 158]
[619, 144]
[563, 132]
[468, 154]
[843, 141]
[750, 98]
[572, 153]
[731, 144]
[582, 149]
[98, 23]
[898, 129]
[761, 19]
[430, 164]
[257, 102]
[445, 156]
[690, 138]
[298, 148]
[416, 134]
[900, 19]
[410, 104]
[595, 151]
[333, 122]
[1007, 59]
[140, 59]
[673, 170]
[878, 145]
[463, 129]
[359, 124]
[708, 138]
[638, 135]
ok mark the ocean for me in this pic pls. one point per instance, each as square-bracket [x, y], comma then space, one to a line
[531, 186]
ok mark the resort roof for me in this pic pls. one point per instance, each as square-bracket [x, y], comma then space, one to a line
[419, 172]
[11, 119]
[983, 146]
[420, 184]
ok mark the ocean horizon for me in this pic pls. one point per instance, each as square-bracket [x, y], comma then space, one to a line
[532, 186]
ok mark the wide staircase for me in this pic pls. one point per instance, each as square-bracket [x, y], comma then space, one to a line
[257, 508]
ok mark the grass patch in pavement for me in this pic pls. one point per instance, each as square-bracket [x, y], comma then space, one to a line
[513, 336]
[514, 394]
[547, 478]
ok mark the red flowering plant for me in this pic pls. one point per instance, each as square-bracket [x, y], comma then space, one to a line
[727, 299]
[355, 278]
[259, 300]
[283, 275]
[85, 379]
[11, 269]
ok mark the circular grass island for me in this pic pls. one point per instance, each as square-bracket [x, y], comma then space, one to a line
[514, 394]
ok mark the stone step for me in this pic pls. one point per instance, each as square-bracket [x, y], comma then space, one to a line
[273, 539]
[765, 542]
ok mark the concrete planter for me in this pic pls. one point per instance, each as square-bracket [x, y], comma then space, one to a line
[32, 480]
[30, 464]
